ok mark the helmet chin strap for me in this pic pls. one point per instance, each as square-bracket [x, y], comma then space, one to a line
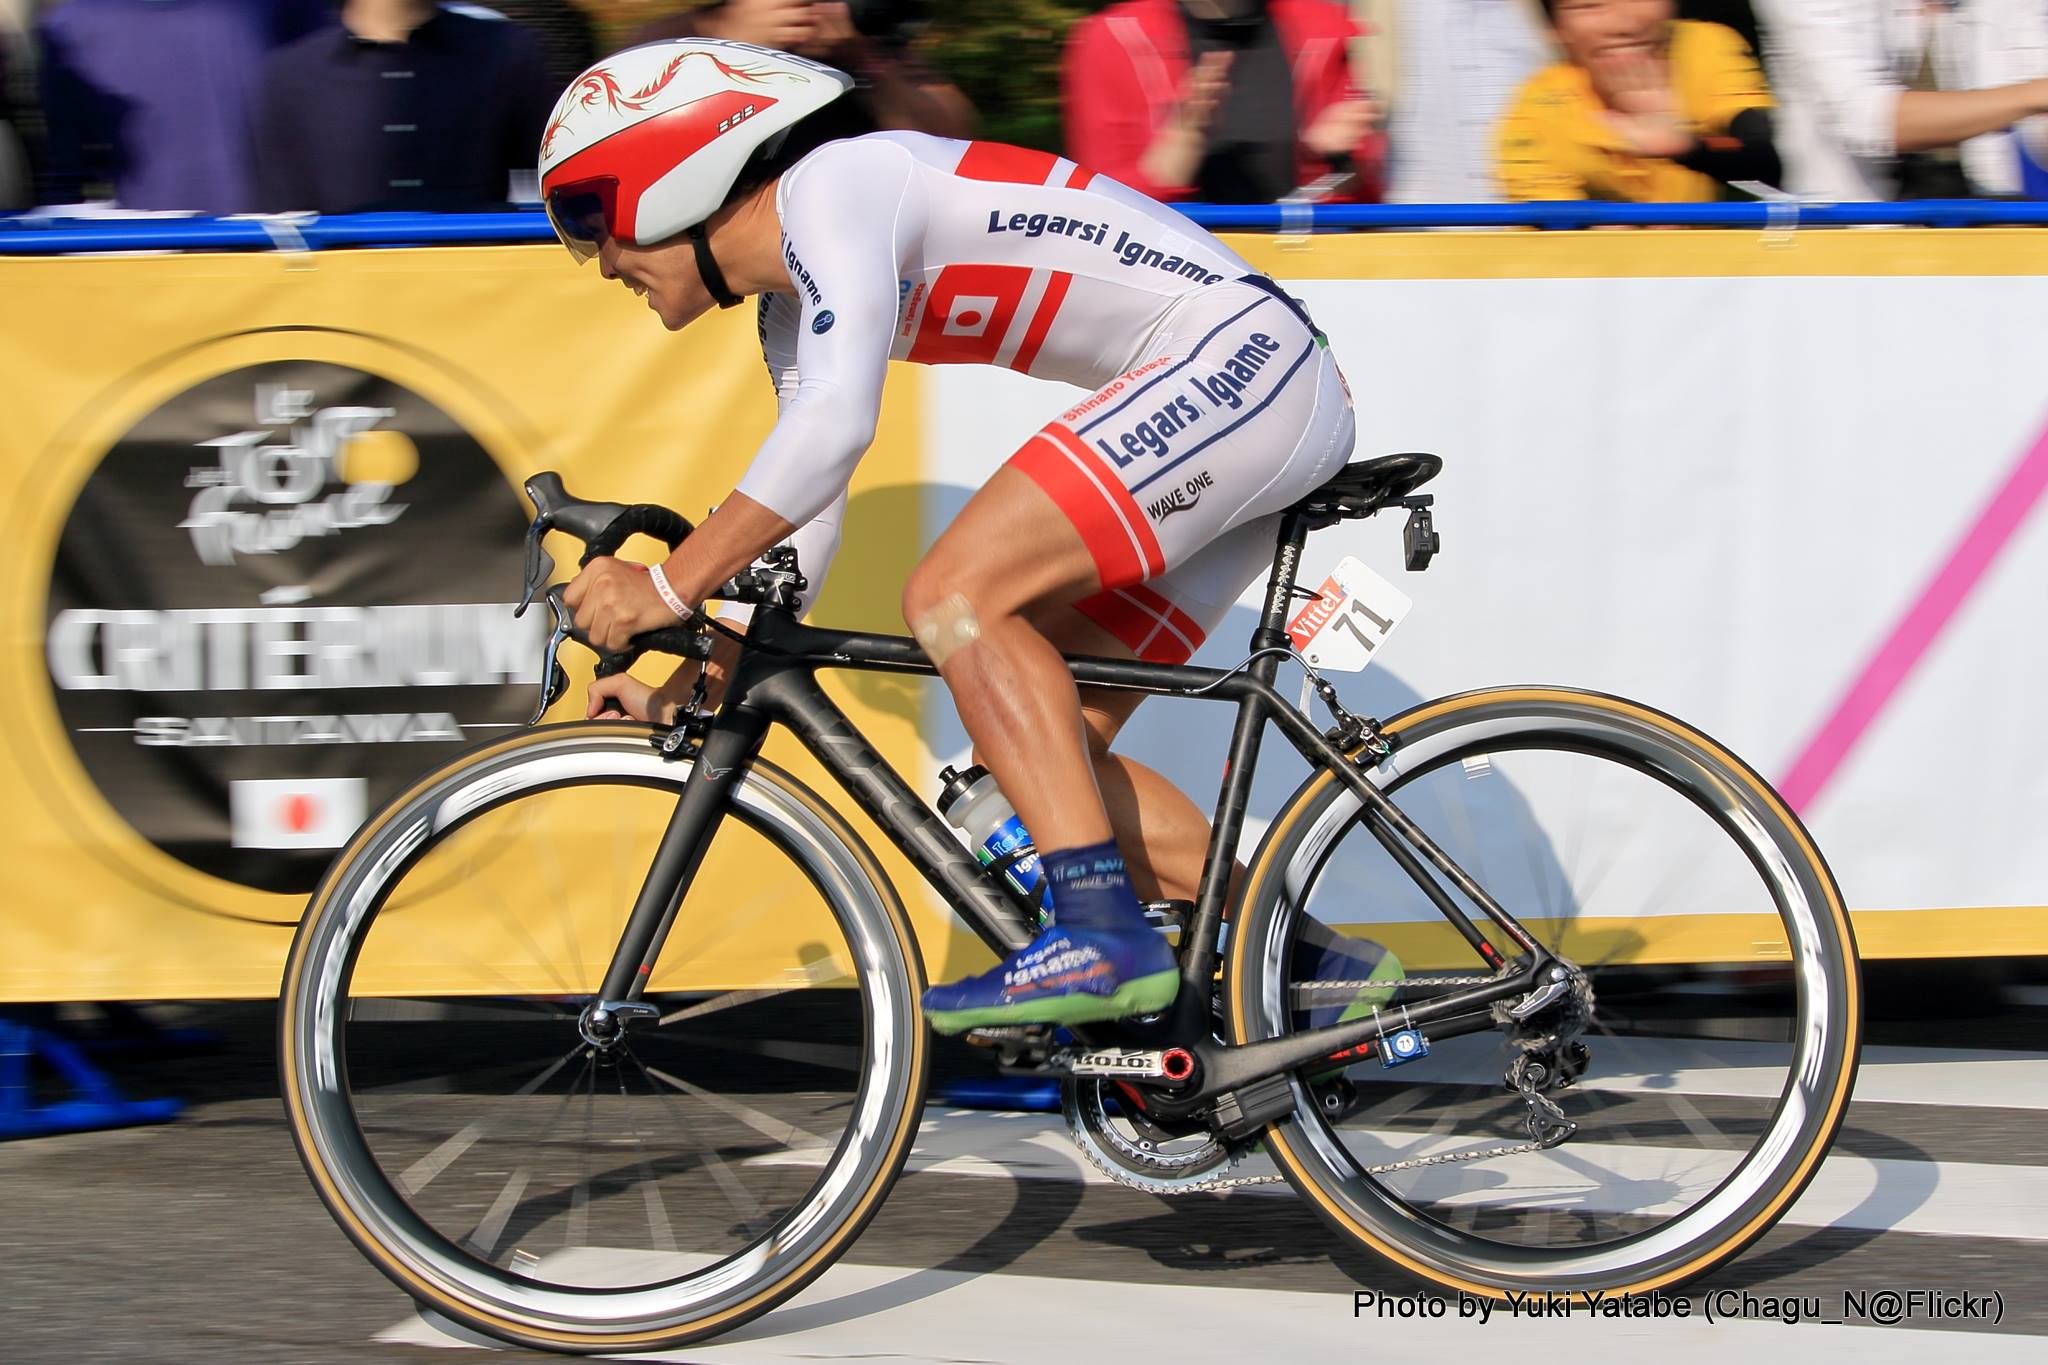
[707, 266]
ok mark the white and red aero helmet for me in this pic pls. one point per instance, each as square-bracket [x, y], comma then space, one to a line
[649, 142]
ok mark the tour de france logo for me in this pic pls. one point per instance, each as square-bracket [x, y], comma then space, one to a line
[279, 597]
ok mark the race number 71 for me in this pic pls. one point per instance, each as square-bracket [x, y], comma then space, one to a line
[1353, 614]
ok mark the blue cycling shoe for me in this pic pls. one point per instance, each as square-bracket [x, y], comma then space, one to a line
[1077, 975]
[1323, 954]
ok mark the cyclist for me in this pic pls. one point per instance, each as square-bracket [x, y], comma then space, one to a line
[1126, 527]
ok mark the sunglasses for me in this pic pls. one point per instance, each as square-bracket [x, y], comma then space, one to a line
[582, 217]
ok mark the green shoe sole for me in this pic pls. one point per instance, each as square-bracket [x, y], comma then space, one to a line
[1143, 995]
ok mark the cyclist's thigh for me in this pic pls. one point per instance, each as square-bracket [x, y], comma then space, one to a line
[1249, 416]
[1165, 620]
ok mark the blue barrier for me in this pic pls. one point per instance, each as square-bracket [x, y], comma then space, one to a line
[94, 1100]
[34, 235]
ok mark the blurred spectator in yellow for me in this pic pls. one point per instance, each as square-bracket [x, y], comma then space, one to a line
[1643, 108]
[1444, 72]
[406, 105]
[153, 101]
[1225, 101]
[1908, 99]
[869, 40]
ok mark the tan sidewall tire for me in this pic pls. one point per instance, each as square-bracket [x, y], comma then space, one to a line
[295, 999]
[1288, 1140]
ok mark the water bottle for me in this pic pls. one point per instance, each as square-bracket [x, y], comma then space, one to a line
[972, 802]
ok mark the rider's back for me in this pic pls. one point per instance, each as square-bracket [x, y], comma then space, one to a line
[997, 254]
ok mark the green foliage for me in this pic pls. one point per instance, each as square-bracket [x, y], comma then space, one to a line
[1005, 57]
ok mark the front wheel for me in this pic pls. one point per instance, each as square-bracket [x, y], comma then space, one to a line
[546, 1180]
[1723, 1040]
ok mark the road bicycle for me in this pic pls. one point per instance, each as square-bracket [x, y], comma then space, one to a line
[605, 1036]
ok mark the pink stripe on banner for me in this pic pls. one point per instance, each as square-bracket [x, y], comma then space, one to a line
[1910, 640]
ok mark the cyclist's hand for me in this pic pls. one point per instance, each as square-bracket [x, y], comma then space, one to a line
[622, 694]
[614, 601]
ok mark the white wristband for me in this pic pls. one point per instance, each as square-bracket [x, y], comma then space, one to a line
[656, 576]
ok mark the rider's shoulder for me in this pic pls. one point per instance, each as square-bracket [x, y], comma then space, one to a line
[865, 156]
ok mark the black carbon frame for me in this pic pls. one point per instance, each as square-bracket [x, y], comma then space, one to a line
[775, 683]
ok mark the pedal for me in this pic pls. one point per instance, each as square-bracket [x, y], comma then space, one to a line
[1017, 1046]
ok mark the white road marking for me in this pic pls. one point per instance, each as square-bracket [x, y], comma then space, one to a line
[881, 1313]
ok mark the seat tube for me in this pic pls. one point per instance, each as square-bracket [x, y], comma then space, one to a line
[1197, 967]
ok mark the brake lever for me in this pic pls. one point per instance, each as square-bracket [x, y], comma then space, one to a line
[540, 565]
[553, 679]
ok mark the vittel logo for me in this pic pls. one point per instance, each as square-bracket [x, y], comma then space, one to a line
[268, 488]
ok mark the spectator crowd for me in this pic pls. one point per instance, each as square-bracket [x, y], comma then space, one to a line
[235, 106]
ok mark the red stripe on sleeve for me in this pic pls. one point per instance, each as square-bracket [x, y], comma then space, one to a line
[1080, 178]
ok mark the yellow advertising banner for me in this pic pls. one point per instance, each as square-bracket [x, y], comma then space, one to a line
[265, 535]
[264, 541]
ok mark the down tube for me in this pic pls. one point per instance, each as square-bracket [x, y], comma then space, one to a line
[800, 703]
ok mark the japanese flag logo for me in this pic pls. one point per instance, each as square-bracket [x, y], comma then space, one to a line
[969, 314]
[295, 812]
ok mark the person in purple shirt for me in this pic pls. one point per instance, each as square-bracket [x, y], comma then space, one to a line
[153, 98]
[406, 105]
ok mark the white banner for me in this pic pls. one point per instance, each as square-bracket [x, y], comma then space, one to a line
[1800, 512]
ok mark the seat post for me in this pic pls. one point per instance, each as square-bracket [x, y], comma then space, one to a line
[1272, 631]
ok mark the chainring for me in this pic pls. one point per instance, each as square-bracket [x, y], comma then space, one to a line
[1137, 1152]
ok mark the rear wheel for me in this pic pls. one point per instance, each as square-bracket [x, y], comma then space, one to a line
[1723, 1039]
[524, 1171]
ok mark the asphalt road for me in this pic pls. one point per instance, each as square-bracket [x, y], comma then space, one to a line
[201, 1240]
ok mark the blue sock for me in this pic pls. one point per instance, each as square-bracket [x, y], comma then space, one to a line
[1091, 889]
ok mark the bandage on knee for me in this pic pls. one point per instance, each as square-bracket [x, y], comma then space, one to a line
[949, 627]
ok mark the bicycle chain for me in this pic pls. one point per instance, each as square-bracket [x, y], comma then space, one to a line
[1396, 982]
[1541, 1106]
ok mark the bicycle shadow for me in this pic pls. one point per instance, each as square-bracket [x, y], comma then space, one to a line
[1039, 1209]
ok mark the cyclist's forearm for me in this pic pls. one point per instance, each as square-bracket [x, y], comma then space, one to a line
[724, 543]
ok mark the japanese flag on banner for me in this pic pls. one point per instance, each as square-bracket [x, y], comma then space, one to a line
[295, 812]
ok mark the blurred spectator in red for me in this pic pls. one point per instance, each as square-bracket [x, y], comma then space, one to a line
[155, 99]
[1445, 71]
[1644, 108]
[1227, 101]
[406, 105]
[1908, 99]
[869, 40]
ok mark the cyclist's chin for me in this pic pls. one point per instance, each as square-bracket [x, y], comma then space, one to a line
[679, 314]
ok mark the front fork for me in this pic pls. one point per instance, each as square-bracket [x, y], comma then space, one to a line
[730, 745]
